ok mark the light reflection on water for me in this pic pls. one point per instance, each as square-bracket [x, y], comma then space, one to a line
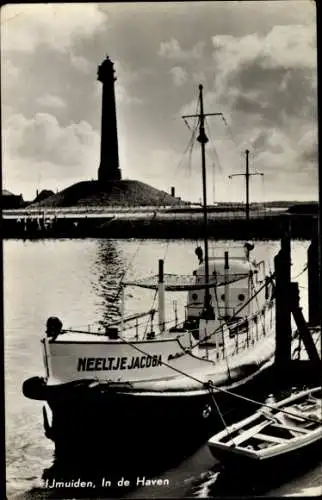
[77, 280]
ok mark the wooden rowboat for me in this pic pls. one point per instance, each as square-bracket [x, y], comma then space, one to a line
[276, 431]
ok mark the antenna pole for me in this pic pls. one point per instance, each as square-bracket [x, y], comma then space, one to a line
[247, 176]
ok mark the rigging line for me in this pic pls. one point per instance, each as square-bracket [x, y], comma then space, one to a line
[210, 384]
[221, 323]
[214, 151]
[194, 129]
[211, 392]
[192, 144]
[249, 300]
[187, 150]
[196, 112]
[250, 400]
[186, 123]
[215, 159]
[230, 132]
[300, 273]
[153, 217]
[194, 133]
[208, 337]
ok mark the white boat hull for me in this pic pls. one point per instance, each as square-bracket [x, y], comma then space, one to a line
[175, 361]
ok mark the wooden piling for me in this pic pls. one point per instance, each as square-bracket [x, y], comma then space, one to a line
[283, 333]
[313, 283]
[302, 326]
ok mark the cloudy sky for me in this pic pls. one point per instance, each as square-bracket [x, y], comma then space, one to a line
[256, 60]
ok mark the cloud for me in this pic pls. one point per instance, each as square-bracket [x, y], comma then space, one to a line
[308, 146]
[122, 96]
[24, 27]
[171, 49]
[266, 75]
[179, 75]
[284, 46]
[80, 63]
[266, 86]
[42, 144]
[10, 72]
[257, 64]
[50, 101]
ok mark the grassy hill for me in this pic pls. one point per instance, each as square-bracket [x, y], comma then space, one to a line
[122, 193]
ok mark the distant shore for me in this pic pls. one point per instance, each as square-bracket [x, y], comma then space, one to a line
[153, 223]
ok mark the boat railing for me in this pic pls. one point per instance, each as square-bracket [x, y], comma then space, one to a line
[133, 317]
[111, 329]
[140, 326]
[132, 324]
[218, 252]
[145, 330]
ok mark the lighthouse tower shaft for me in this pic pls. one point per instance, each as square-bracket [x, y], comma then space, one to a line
[109, 169]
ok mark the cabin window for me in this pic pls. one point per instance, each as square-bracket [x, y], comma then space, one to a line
[223, 297]
[194, 296]
[241, 297]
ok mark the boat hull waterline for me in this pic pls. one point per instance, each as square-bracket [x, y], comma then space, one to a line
[122, 420]
[105, 407]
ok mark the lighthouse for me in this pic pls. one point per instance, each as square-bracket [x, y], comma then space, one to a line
[109, 169]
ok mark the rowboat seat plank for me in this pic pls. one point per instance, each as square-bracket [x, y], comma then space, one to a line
[271, 439]
[248, 434]
[300, 430]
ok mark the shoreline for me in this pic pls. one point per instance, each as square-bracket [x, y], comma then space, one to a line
[159, 226]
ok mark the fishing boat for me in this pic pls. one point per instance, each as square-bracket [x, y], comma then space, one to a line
[275, 433]
[146, 369]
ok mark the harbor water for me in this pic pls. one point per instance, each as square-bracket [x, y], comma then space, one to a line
[77, 280]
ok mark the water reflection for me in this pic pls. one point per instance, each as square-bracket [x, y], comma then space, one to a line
[106, 272]
[221, 482]
[100, 479]
[78, 281]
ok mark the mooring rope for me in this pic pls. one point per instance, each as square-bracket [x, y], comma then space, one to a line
[210, 385]
[300, 273]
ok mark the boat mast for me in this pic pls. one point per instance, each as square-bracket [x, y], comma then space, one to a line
[203, 139]
[208, 312]
[161, 288]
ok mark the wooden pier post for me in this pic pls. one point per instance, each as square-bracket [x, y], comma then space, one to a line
[302, 326]
[283, 334]
[313, 283]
